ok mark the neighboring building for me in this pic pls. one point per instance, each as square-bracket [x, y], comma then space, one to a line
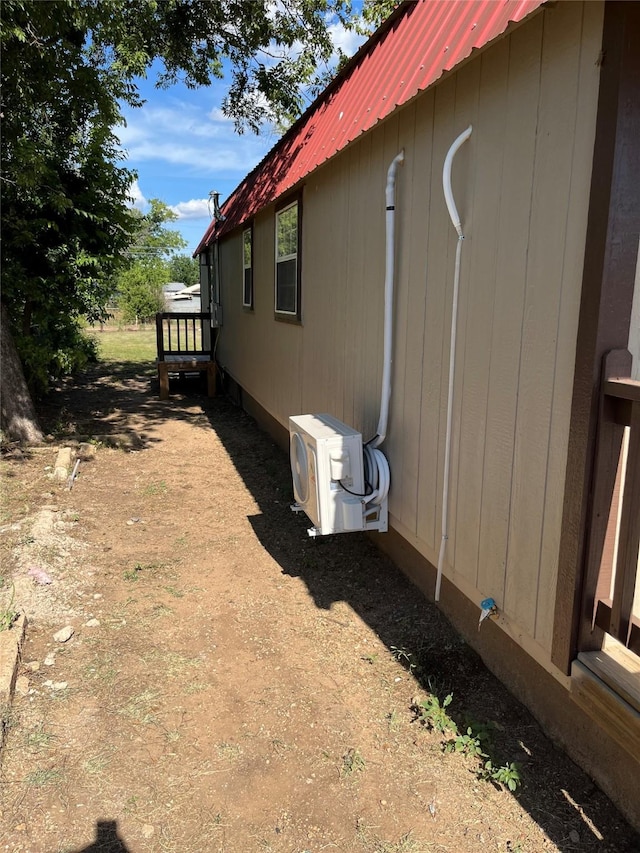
[548, 187]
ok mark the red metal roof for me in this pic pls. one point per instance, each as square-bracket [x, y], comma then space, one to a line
[421, 41]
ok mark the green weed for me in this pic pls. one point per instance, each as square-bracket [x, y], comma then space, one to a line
[8, 613]
[472, 742]
[159, 488]
[352, 761]
[434, 714]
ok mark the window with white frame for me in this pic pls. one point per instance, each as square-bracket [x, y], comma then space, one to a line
[247, 267]
[287, 260]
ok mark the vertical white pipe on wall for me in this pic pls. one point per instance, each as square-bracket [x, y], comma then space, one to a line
[387, 358]
[455, 219]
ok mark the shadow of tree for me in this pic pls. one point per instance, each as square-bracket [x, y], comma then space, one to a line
[118, 403]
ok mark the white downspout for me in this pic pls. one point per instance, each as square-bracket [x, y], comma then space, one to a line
[385, 395]
[455, 219]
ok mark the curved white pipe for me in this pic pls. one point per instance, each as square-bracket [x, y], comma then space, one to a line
[385, 394]
[446, 179]
[455, 219]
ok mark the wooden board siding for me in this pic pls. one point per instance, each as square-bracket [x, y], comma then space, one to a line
[521, 183]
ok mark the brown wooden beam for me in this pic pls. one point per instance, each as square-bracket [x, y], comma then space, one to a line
[605, 311]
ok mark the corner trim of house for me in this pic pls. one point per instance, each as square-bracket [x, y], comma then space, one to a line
[605, 310]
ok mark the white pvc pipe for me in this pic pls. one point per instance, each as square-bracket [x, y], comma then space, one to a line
[446, 179]
[385, 395]
[455, 219]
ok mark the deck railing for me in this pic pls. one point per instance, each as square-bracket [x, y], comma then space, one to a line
[619, 585]
[183, 334]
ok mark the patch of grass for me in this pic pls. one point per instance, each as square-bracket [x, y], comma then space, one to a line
[159, 488]
[134, 573]
[101, 669]
[131, 805]
[60, 695]
[195, 687]
[131, 346]
[174, 665]
[174, 591]
[352, 761]
[161, 610]
[393, 721]
[227, 750]
[141, 707]
[40, 778]
[96, 764]
[39, 738]
[406, 658]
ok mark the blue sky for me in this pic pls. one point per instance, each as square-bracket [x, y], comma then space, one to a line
[182, 147]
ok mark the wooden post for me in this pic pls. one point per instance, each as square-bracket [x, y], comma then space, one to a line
[163, 376]
[211, 378]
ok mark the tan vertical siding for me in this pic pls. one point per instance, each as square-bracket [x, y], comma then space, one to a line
[521, 184]
[520, 121]
[436, 344]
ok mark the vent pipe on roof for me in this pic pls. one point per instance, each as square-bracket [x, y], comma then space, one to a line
[214, 207]
[455, 219]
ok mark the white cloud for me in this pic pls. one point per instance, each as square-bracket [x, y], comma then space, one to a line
[196, 208]
[196, 140]
[346, 40]
[137, 198]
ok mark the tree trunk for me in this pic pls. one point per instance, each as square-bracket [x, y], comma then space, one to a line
[18, 419]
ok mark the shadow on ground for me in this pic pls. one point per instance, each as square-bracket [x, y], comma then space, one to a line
[560, 797]
[119, 404]
[107, 839]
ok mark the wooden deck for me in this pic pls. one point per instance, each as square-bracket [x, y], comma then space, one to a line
[184, 344]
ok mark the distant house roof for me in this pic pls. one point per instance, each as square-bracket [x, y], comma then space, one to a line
[419, 42]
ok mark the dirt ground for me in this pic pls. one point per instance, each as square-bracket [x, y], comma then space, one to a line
[231, 685]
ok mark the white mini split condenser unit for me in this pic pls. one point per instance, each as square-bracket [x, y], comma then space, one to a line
[328, 472]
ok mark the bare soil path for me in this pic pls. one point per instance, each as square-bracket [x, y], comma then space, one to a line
[231, 685]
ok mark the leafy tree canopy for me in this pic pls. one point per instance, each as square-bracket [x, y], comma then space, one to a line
[152, 238]
[185, 269]
[67, 66]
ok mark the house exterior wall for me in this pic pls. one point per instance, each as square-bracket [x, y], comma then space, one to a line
[522, 187]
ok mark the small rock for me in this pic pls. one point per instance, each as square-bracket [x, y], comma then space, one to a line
[63, 634]
[55, 685]
[49, 660]
[574, 836]
[97, 595]
[92, 623]
[147, 830]
[22, 685]
[32, 666]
